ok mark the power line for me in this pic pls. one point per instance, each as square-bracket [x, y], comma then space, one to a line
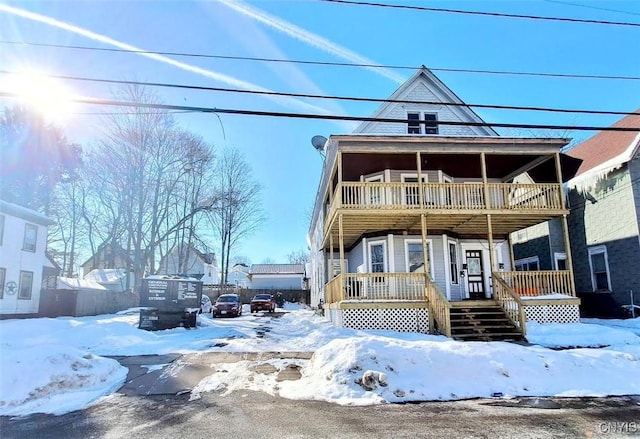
[331, 63]
[333, 97]
[591, 7]
[214, 110]
[486, 14]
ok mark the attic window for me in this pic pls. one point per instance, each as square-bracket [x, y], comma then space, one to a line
[430, 123]
[422, 123]
[414, 123]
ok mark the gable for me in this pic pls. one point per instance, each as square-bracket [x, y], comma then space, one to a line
[424, 86]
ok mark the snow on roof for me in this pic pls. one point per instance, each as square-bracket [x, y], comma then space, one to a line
[605, 152]
[106, 275]
[277, 269]
[70, 283]
[24, 213]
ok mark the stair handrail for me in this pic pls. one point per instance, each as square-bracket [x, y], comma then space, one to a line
[506, 295]
[439, 308]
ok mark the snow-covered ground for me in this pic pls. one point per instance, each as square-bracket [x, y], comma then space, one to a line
[60, 365]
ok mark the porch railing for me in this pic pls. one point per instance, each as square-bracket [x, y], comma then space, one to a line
[376, 286]
[451, 196]
[539, 283]
[510, 302]
[439, 309]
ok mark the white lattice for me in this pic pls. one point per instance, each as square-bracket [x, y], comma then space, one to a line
[395, 319]
[335, 315]
[553, 313]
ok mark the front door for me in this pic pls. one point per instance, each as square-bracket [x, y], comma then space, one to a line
[475, 274]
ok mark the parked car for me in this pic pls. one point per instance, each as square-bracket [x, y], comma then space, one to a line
[205, 304]
[227, 305]
[263, 302]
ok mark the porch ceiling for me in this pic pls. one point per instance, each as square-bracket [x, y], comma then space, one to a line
[368, 223]
[459, 165]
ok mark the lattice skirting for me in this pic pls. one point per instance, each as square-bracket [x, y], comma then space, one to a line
[552, 313]
[396, 319]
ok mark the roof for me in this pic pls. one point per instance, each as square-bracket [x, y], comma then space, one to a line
[106, 276]
[24, 213]
[277, 269]
[607, 146]
[68, 283]
[444, 93]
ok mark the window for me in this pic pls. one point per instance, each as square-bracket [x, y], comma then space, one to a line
[376, 257]
[453, 263]
[414, 257]
[1, 228]
[3, 275]
[528, 264]
[599, 268]
[30, 238]
[430, 123]
[26, 284]
[412, 193]
[414, 123]
[422, 123]
[560, 260]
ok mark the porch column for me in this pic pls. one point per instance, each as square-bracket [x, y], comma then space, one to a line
[339, 185]
[485, 188]
[512, 259]
[341, 243]
[420, 188]
[425, 253]
[491, 252]
[565, 226]
[330, 271]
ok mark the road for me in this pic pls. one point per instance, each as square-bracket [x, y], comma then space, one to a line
[258, 415]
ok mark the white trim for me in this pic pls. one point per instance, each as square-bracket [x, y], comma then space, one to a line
[364, 252]
[598, 249]
[430, 249]
[447, 275]
[404, 176]
[392, 259]
[559, 256]
[370, 244]
[458, 264]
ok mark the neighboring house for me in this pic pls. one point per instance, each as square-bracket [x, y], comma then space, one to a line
[108, 255]
[604, 223]
[188, 260]
[25, 269]
[112, 279]
[277, 276]
[411, 223]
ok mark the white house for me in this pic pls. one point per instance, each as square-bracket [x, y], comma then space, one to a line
[188, 260]
[24, 266]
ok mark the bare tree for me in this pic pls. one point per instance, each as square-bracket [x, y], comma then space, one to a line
[148, 182]
[238, 212]
[299, 257]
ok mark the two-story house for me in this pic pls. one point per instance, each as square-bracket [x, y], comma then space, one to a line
[188, 260]
[604, 224]
[411, 223]
[25, 268]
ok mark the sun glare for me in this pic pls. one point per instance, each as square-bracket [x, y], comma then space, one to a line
[45, 94]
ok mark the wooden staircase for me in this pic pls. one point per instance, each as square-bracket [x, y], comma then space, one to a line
[482, 320]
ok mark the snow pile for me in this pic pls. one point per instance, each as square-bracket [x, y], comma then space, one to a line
[57, 379]
[54, 365]
[571, 335]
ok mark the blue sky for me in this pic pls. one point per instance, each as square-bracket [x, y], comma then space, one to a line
[279, 150]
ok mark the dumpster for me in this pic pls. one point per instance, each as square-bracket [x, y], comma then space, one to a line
[169, 302]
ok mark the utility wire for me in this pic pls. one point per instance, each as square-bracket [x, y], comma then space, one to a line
[332, 97]
[486, 14]
[330, 63]
[97, 101]
[591, 7]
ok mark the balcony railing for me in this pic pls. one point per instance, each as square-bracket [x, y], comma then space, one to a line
[539, 283]
[447, 196]
[376, 286]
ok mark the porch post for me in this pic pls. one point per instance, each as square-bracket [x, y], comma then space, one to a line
[425, 253]
[491, 252]
[565, 227]
[485, 188]
[420, 188]
[425, 258]
[512, 258]
[339, 184]
[341, 243]
[330, 271]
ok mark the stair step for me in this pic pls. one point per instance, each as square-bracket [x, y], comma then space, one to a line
[489, 337]
[482, 326]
